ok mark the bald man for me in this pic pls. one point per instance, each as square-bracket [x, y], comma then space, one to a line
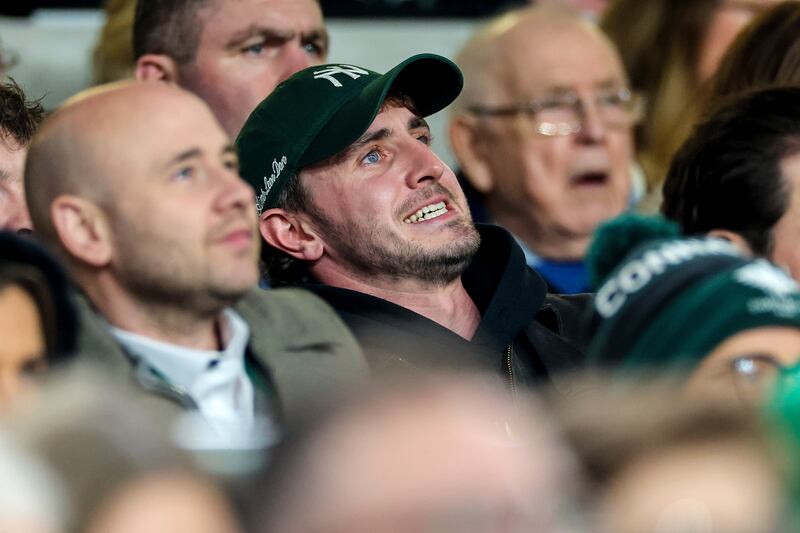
[137, 186]
[542, 132]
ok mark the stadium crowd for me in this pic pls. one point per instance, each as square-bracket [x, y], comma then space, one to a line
[239, 292]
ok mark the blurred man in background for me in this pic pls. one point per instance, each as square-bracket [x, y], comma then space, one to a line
[19, 119]
[231, 53]
[543, 131]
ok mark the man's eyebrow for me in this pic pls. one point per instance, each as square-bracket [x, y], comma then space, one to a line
[319, 35]
[417, 122]
[229, 148]
[609, 83]
[369, 137]
[255, 30]
[183, 156]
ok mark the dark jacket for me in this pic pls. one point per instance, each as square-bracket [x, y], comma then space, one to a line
[525, 334]
[299, 350]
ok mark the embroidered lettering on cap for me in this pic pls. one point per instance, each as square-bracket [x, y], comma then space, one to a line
[349, 70]
[277, 168]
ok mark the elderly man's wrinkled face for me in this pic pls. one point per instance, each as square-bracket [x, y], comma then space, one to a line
[566, 184]
[247, 47]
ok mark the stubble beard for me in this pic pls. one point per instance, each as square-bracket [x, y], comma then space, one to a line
[376, 253]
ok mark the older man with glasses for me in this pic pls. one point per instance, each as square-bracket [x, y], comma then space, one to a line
[543, 133]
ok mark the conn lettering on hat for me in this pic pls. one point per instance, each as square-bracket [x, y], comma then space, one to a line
[328, 73]
[639, 272]
[277, 168]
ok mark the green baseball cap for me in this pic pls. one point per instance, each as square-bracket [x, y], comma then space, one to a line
[321, 110]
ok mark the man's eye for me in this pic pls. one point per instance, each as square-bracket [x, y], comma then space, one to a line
[183, 174]
[314, 49]
[425, 138]
[231, 164]
[254, 49]
[611, 100]
[372, 158]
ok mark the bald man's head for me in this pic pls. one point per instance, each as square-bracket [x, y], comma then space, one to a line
[137, 185]
[509, 42]
[83, 147]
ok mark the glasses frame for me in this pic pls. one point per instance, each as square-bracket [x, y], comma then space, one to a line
[782, 372]
[561, 129]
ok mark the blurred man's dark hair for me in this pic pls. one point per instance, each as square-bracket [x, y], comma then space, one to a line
[728, 175]
[170, 27]
[19, 117]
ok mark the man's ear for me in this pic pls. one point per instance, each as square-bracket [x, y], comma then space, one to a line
[465, 141]
[290, 233]
[82, 229]
[733, 238]
[156, 67]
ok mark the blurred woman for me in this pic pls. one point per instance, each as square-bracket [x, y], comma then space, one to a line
[37, 322]
[765, 54]
[670, 48]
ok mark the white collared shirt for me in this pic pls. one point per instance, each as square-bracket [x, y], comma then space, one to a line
[216, 380]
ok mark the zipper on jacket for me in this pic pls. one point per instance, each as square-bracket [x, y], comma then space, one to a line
[510, 369]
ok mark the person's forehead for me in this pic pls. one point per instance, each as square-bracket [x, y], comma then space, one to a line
[567, 55]
[223, 19]
[152, 126]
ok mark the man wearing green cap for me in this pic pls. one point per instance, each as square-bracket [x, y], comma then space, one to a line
[353, 203]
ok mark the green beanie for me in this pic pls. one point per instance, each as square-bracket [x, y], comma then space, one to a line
[321, 110]
[671, 300]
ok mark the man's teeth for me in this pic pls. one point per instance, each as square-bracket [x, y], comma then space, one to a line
[426, 213]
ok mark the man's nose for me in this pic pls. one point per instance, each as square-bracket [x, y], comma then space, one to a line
[234, 192]
[593, 126]
[295, 59]
[425, 166]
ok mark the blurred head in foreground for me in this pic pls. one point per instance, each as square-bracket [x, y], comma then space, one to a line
[441, 455]
[111, 454]
[656, 463]
[693, 308]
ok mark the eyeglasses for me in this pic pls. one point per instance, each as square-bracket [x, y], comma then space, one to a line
[757, 374]
[564, 114]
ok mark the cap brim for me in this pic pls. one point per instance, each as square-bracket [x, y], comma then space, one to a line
[432, 82]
